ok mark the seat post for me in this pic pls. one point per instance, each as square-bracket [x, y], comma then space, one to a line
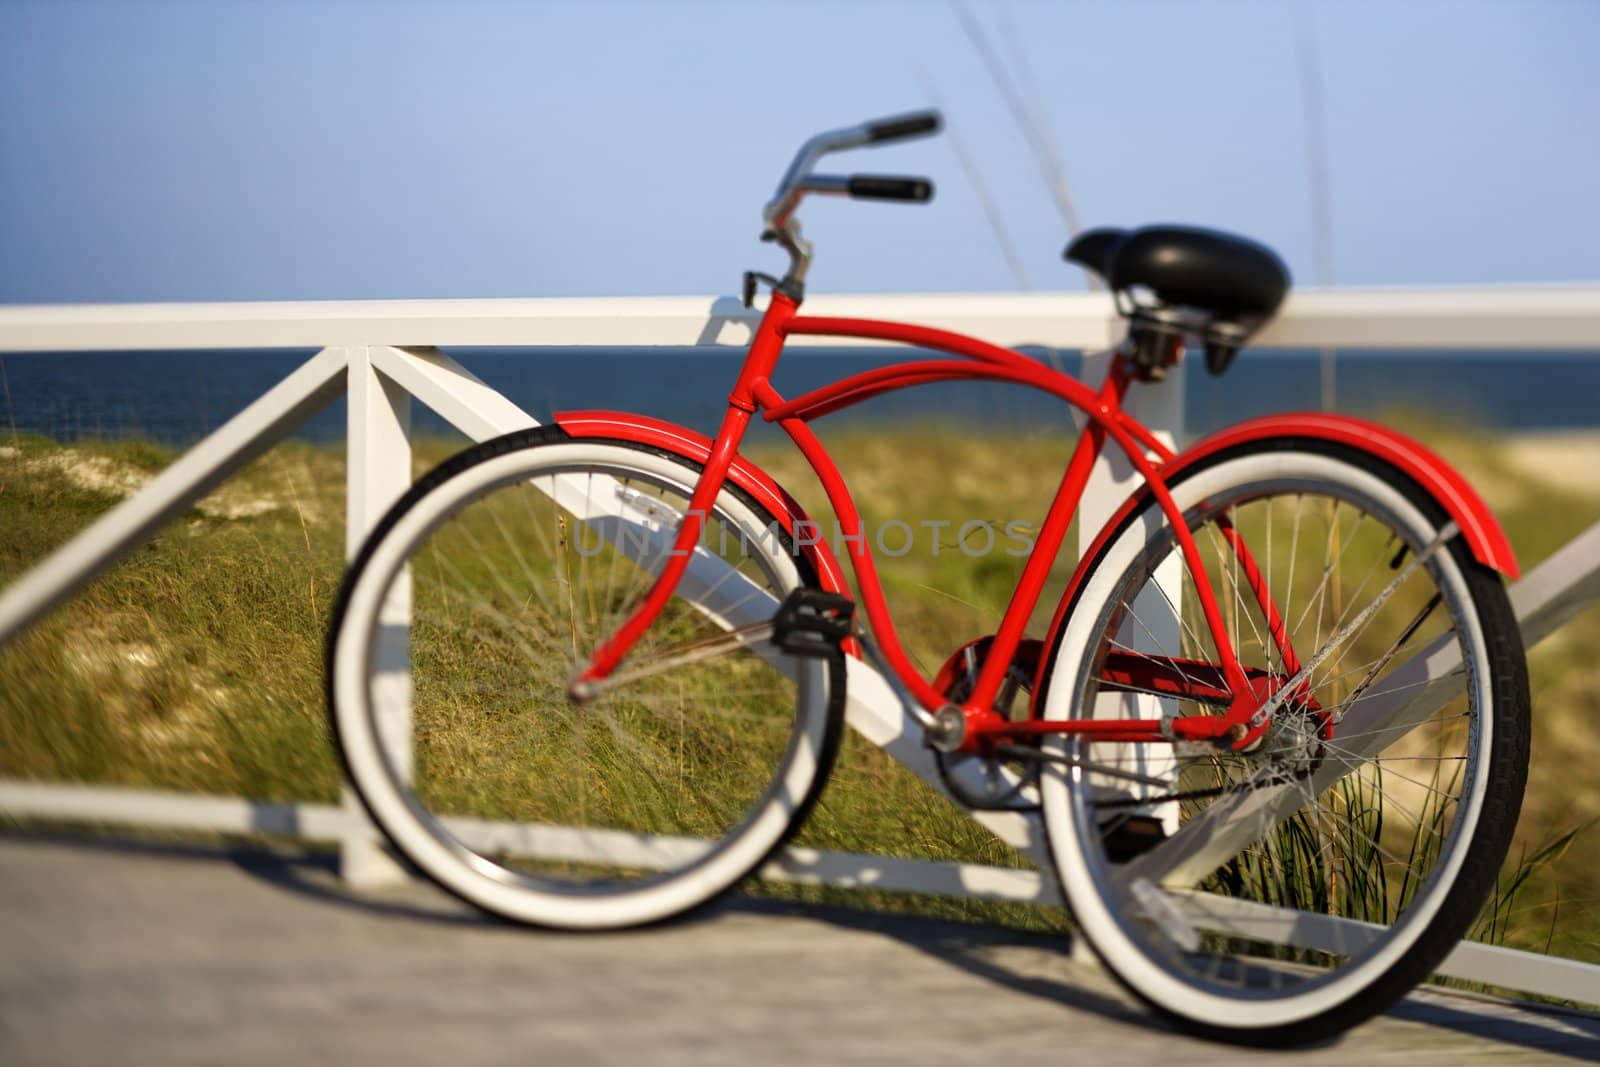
[1155, 342]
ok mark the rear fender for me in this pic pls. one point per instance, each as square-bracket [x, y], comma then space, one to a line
[1482, 531]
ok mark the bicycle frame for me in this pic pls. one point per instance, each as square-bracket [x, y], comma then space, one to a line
[753, 393]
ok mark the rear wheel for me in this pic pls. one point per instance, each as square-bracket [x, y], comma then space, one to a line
[474, 603]
[1281, 894]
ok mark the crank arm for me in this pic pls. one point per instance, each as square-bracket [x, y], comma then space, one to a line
[809, 622]
[666, 659]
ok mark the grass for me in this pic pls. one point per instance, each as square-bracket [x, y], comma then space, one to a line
[196, 663]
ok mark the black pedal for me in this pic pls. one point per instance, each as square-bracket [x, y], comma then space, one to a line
[811, 622]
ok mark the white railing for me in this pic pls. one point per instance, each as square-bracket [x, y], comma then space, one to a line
[382, 354]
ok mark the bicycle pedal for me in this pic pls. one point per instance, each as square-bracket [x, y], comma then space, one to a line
[812, 622]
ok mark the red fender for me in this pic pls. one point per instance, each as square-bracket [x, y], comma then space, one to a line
[1437, 478]
[641, 429]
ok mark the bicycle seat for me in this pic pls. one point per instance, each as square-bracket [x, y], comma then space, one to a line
[1187, 266]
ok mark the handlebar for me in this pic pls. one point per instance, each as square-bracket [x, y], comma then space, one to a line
[798, 179]
[888, 187]
[899, 127]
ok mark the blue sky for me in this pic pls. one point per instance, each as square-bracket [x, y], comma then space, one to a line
[342, 149]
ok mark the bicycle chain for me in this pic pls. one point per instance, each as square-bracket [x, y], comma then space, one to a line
[1026, 753]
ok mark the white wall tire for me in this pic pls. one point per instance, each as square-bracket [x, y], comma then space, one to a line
[405, 812]
[1128, 936]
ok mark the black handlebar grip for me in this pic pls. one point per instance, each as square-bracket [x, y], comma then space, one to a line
[889, 187]
[912, 125]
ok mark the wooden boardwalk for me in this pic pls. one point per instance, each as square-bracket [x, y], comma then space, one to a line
[134, 953]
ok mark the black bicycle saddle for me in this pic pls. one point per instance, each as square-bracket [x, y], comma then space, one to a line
[1187, 266]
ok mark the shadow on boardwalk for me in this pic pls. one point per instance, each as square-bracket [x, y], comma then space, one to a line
[139, 952]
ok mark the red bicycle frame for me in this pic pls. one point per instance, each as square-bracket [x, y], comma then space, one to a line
[753, 393]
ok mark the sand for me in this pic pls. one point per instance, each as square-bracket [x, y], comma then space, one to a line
[1569, 459]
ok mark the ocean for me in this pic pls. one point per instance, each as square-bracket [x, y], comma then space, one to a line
[177, 397]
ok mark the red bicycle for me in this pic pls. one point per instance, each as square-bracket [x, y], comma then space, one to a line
[1277, 728]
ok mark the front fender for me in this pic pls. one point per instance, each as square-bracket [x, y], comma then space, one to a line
[680, 441]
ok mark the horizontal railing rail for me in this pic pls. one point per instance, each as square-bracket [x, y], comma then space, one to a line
[382, 354]
[1529, 317]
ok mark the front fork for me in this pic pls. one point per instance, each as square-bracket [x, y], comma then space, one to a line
[758, 364]
[588, 682]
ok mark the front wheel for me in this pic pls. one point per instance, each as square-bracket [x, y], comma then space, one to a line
[1281, 894]
[470, 608]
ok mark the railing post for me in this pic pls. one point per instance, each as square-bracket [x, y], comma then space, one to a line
[1159, 405]
[378, 472]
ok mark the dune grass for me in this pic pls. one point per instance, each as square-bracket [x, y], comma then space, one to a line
[196, 663]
